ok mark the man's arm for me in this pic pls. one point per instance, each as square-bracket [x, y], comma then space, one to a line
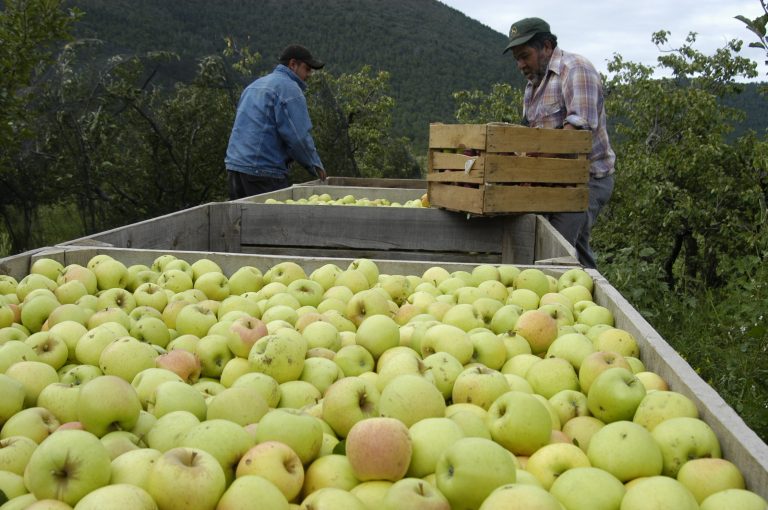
[582, 93]
[295, 128]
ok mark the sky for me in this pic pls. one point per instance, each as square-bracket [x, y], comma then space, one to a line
[598, 29]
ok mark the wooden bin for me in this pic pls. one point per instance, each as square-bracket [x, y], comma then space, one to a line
[504, 168]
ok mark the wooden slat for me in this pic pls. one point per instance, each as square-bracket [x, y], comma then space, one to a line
[447, 136]
[455, 176]
[507, 138]
[437, 257]
[518, 229]
[456, 198]
[502, 199]
[368, 182]
[451, 161]
[500, 168]
[298, 227]
[225, 227]
[182, 230]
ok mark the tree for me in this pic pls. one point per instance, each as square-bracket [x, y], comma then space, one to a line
[501, 104]
[758, 27]
[30, 31]
[352, 118]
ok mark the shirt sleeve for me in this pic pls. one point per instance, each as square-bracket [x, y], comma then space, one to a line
[582, 93]
[295, 128]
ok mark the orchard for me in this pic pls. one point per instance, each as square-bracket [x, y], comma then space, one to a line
[176, 386]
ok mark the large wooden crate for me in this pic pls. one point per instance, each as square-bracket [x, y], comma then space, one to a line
[253, 226]
[504, 168]
[739, 443]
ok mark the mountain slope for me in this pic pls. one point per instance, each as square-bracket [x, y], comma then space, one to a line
[430, 49]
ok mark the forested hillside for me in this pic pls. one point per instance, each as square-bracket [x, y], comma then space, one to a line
[429, 49]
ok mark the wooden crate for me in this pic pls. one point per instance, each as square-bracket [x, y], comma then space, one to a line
[740, 444]
[504, 168]
[252, 226]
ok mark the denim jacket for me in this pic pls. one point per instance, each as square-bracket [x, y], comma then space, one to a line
[272, 127]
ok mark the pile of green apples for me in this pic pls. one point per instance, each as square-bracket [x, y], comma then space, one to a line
[326, 199]
[177, 386]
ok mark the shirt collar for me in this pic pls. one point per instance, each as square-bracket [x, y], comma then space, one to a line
[280, 68]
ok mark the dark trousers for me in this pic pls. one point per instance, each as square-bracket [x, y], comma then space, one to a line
[243, 185]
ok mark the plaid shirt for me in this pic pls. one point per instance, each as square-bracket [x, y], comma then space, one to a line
[572, 93]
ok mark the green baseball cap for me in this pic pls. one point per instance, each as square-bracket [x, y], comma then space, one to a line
[522, 31]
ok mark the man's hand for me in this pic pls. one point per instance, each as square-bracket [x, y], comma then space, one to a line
[321, 173]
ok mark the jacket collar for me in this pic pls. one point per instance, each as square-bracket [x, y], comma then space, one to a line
[290, 74]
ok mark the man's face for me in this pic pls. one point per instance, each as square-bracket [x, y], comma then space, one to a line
[532, 62]
[301, 69]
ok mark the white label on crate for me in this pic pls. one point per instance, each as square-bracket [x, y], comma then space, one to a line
[468, 165]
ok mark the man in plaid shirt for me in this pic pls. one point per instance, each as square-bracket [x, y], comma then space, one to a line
[565, 91]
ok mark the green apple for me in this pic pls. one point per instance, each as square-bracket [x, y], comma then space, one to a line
[326, 275]
[411, 398]
[152, 295]
[573, 347]
[580, 430]
[186, 478]
[242, 405]
[462, 473]
[569, 404]
[68, 465]
[61, 399]
[321, 372]
[505, 318]
[277, 462]
[366, 303]
[170, 429]
[227, 441]
[519, 422]
[652, 380]
[125, 357]
[379, 448]
[279, 355]
[596, 314]
[78, 374]
[147, 380]
[15, 452]
[354, 360]
[284, 272]
[245, 279]
[444, 369]
[658, 406]
[195, 319]
[119, 442]
[13, 397]
[105, 315]
[447, 338]
[734, 498]
[117, 497]
[552, 460]
[33, 376]
[551, 376]
[617, 340]
[659, 492]
[706, 476]
[175, 280]
[333, 470]
[214, 353]
[108, 403]
[36, 423]
[532, 279]
[298, 394]
[479, 385]
[175, 395]
[302, 432]
[89, 347]
[69, 332]
[252, 491]
[596, 363]
[588, 488]
[267, 386]
[626, 450]
[430, 437]
[35, 311]
[520, 364]
[683, 439]
[133, 467]
[615, 395]
[348, 401]
[368, 267]
[213, 284]
[575, 276]
[526, 299]
[414, 493]
[31, 282]
[331, 498]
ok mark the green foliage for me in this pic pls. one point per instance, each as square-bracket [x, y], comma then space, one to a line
[501, 104]
[758, 26]
[352, 118]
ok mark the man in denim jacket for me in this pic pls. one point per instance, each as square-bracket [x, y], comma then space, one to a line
[272, 128]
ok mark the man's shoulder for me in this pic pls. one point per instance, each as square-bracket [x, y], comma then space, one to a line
[573, 60]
